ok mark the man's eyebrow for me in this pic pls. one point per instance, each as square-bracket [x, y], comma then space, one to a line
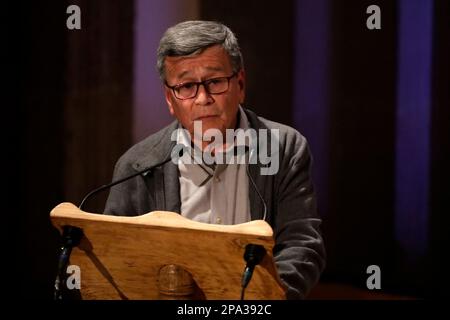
[214, 68]
[181, 75]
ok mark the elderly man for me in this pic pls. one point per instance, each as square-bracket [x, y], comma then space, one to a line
[201, 66]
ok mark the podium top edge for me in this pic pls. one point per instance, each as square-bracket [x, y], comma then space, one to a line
[67, 210]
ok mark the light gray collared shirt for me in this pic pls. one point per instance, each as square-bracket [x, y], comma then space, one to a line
[216, 193]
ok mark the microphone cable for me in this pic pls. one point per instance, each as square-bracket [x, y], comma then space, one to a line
[254, 253]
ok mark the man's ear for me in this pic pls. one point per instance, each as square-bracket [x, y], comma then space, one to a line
[168, 95]
[241, 84]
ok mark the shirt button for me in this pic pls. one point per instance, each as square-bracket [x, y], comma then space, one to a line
[217, 179]
[218, 220]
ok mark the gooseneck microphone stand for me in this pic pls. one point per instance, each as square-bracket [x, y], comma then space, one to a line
[71, 235]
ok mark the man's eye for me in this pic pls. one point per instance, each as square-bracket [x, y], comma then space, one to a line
[188, 85]
[215, 81]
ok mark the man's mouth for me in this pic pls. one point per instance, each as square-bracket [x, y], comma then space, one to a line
[206, 117]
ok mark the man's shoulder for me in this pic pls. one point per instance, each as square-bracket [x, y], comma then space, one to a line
[150, 150]
[293, 146]
[287, 134]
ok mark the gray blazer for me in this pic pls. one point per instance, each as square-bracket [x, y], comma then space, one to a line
[291, 205]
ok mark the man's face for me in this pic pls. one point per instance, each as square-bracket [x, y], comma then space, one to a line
[217, 111]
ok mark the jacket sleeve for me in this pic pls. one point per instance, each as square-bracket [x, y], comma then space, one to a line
[299, 252]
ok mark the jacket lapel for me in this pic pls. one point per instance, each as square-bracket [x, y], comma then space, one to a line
[172, 201]
[165, 177]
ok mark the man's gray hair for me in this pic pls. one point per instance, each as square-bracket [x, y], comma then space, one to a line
[192, 37]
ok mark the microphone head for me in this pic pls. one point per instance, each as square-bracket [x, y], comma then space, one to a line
[254, 253]
[71, 236]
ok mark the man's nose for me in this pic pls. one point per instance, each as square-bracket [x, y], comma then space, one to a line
[203, 96]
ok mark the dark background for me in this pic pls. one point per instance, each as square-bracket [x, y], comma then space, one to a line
[69, 117]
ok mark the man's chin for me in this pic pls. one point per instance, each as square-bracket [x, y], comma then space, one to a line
[211, 123]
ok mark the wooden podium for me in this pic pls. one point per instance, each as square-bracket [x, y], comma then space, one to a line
[121, 257]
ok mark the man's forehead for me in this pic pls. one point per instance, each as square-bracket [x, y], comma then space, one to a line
[213, 59]
[188, 72]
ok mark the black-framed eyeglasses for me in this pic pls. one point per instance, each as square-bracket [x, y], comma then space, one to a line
[189, 90]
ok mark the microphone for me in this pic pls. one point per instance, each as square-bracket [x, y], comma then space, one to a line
[70, 238]
[72, 235]
[255, 187]
[109, 185]
[253, 255]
